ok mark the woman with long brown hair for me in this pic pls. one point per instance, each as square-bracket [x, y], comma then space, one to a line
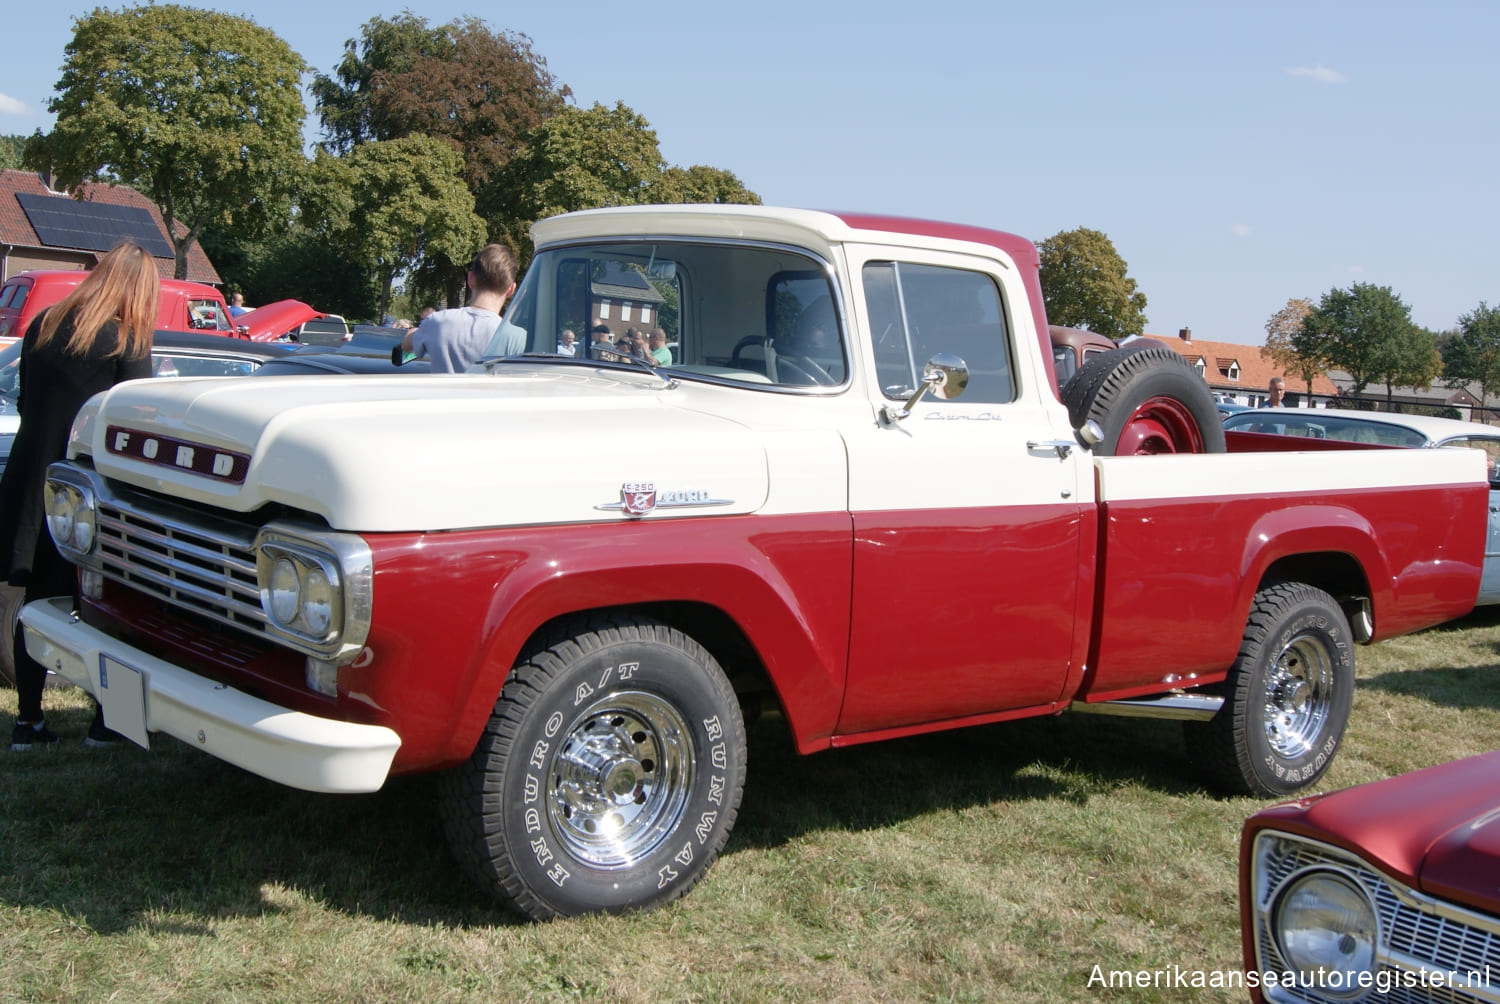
[97, 336]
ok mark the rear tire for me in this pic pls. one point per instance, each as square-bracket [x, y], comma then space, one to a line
[1286, 699]
[1147, 399]
[609, 776]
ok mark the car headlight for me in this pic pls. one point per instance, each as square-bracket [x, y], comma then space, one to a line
[70, 517]
[300, 594]
[315, 589]
[1326, 929]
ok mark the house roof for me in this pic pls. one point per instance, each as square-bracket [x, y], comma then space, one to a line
[17, 231]
[625, 284]
[1255, 369]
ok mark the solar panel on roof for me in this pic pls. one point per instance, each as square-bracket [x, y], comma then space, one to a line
[91, 226]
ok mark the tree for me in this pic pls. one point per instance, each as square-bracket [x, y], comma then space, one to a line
[702, 184]
[1358, 330]
[1085, 286]
[1410, 359]
[393, 203]
[478, 90]
[200, 111]
[11, 148]
[582, 159]
[1281, 348]
[1473, 354]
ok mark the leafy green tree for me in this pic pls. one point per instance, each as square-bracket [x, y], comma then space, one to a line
[1473, 354]
[390, 204]
[1411, 360]
[1360, 330]
[1085, 286]
[480, 91]
[702, 184]
[297, 263]
[582, 159]
[200, 111]
[1281, 332]
[11, 148]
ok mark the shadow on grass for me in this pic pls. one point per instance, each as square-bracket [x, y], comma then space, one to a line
[168, 840]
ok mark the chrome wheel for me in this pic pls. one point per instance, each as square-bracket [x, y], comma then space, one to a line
[619, 780]
[1298, 697]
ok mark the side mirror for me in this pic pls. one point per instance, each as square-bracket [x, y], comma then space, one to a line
[945, 377]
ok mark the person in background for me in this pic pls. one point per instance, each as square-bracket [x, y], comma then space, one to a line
[603, 343]
[237, 305]
[97, 336]
[1277, 392]
[634, 343]
[566, 343]
[458, 338]
[659, 350]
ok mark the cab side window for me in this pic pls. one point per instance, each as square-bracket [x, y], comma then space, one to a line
[917, 311]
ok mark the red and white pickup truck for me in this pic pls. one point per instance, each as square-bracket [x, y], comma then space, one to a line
[855, 494]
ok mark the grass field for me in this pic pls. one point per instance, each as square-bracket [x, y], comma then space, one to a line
[1000, 863]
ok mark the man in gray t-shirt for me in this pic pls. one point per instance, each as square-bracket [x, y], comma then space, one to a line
[458, 338]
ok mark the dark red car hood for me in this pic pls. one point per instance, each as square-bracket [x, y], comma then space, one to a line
[1436, 829]
[264, 324]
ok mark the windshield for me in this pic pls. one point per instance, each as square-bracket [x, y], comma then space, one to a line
[759, 315]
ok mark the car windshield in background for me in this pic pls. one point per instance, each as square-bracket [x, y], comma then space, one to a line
[1326, 425]
[760, 316]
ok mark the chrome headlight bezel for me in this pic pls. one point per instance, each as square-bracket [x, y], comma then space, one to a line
[315, 589]
[72, 512]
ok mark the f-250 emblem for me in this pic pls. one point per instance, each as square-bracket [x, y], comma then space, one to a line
[637, 498]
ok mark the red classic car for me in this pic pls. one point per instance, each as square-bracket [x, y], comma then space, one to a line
[1387, 891]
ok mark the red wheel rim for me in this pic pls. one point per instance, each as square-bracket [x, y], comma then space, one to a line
[1160, 425]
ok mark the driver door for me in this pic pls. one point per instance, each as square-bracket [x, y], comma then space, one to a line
[968, 519]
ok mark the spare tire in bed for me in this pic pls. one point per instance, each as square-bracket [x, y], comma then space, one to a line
[1147, 399]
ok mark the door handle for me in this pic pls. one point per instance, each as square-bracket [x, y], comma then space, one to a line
[1062, 447]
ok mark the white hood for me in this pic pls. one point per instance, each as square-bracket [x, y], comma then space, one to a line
[406, 452]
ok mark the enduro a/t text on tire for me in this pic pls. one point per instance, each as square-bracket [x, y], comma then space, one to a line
[609, 776]
[1286, 699]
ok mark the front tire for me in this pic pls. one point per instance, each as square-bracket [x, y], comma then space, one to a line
[609, 776]
[1286, 699]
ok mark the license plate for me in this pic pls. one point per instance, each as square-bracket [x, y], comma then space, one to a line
[122, 695]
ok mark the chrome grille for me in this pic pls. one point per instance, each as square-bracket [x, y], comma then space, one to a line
[1415, 930]
[209, 572]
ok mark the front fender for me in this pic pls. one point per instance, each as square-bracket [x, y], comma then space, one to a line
[454, 611]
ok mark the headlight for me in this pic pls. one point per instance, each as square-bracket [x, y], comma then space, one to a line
[285, 592]
[1326, 930]
[70, 517]
[315, 589]
[300, 591]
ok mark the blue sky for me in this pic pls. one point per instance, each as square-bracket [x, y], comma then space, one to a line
[1238, 155]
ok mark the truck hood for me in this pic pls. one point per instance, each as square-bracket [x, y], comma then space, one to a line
[526, 445]
[1436, 829]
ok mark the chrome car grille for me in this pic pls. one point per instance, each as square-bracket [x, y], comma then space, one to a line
[1416, 931]
[209, 572]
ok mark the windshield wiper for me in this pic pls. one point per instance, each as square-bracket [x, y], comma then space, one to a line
[488, 362]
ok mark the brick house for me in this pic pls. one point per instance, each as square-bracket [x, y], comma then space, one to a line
[44, 229]
[1242, 373]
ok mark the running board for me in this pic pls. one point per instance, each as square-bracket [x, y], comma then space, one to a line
[1178, 704]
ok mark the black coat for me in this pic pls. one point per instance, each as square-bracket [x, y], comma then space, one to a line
[53, 386]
